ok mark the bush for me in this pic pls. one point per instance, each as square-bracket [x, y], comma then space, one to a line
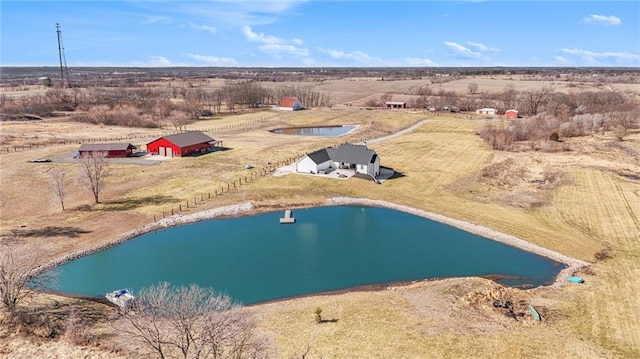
[554, 137]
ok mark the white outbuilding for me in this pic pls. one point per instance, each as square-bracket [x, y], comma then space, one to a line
[487, 111]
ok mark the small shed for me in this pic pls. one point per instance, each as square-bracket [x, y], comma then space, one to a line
[111, 149]
[511, 113]
[182, 144]
[395, 104]
[487, 111]
[290, 104]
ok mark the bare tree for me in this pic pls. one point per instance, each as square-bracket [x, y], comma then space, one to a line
[179, 120]
[191, 322]
[96, 170]
[57, 175]
[622, 122]
[472, 87]
[534, 100]
[20, 271]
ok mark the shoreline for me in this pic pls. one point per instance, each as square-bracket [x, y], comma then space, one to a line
[245, 208]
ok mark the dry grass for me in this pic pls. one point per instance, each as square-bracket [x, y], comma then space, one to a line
[439, 165]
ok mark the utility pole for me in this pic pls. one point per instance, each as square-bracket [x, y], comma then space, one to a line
[63, 60]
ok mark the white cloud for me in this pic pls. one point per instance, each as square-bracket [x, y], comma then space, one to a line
[157, 20]
[562, 61]
[232, 12]
[356, 56]
[213, 60]
[481, 47]
[279, 50]
[275, 46]
[461, 51]
[602, 20]
[202, 27]
[596, 58]
[415, 61]
[261, 37]
[364, 59]
[156, 61]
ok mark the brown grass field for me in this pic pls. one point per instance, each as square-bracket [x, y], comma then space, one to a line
[593, 208]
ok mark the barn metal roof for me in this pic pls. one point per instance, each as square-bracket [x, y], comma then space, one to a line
[188, 138]
[288, 102]
[96, 147]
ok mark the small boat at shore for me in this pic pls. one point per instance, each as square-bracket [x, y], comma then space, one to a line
[534, 312]
[573, 279]
[120, 297]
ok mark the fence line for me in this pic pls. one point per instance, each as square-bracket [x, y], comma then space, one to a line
[197, 199]
[64, 141]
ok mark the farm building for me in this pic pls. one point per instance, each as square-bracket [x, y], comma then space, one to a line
[511, 113]
[111, 149]
[395, 104]
[347, 156]
[487, 111]
[182, 144]
[290, 104]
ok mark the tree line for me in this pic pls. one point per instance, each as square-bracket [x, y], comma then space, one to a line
[155, 107]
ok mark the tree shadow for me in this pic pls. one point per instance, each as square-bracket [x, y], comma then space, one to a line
[329, 321]
[132, 203]
[50, 231]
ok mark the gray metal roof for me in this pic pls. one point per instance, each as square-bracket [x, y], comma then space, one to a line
[189, 138]
[356, 154]
[96, 147]
[319, 156]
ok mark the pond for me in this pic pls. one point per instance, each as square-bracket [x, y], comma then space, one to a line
[256, 259]
[326, 131]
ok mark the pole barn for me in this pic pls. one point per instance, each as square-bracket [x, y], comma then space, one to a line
[111, 149]
[182, 144]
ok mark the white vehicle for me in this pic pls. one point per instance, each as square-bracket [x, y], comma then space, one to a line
[120, 297]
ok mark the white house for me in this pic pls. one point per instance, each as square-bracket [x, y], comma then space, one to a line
[487, 111]
[290, 104]
[347, 156]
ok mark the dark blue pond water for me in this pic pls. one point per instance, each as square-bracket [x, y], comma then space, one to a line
[256, 259]
[331, 131]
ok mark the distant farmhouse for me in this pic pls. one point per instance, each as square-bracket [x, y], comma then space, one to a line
[395, 104]
[110, 149]
[487, 111]
[290, 104]
[182, 144]
[347, 156]
[511, 113]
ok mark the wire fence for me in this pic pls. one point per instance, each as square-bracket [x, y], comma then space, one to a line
[199, 199]
[80, 141]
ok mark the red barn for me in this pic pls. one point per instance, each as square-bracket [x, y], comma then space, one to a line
[182, 144]
[290, 104]
[511, 113]
[111, 149]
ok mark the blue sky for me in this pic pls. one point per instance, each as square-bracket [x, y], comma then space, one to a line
[300, 33]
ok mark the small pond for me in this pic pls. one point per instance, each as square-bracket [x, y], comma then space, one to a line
[255, 259]
[326, 131]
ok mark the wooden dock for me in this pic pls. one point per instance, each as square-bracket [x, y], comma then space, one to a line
[287, 217]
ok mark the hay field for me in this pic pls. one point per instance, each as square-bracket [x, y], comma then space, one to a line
[439, 165]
